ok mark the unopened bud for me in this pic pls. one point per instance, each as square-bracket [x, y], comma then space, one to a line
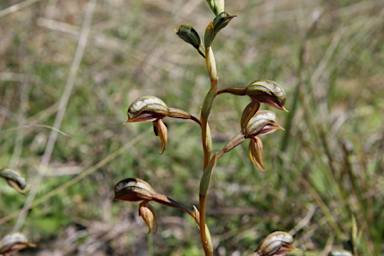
[189, 35]
[212, 4]
[221, 21]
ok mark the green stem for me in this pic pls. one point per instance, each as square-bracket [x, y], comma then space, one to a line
[204, 231]
[211, 67]
[207, 105]
[150, 244]
[207, 154]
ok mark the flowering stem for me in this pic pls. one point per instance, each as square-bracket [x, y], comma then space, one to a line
[207, 142]
[207, 153]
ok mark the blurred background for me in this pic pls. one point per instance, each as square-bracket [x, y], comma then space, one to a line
[70, 69]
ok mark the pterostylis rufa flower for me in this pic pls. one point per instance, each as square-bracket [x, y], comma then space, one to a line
[134, 190]
[151, 108]
[260, 91]
[276, 244]
[14, 242]
[263, 122]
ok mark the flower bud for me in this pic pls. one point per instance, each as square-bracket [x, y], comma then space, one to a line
[219, 6]
[267, 92]
[213, 5]
[147, 212]
[14, 179]
[262, 122]
[147, 108]
[14, 242]
[133, 190]
[221, 21]
[189, 35]
[275, 244]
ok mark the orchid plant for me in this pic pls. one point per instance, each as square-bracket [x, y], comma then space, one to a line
[253, 123]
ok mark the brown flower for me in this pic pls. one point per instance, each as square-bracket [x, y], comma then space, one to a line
[263, 122]
[276, 244]
[151, 108]
[14, 242]
[134, 190]
[264, 91]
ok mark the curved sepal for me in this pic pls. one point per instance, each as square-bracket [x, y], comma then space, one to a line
[147, 212]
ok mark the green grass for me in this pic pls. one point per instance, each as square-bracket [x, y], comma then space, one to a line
[326, 166]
